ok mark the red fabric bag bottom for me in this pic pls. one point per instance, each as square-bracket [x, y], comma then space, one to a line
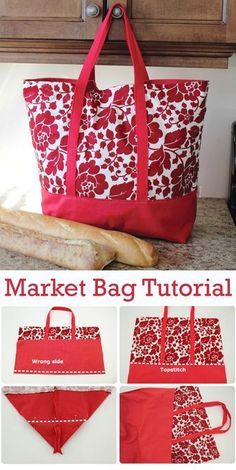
[168, 219]
[56, 415]
[152, 373]
[76, 356]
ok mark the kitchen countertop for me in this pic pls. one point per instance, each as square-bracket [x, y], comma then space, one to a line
[212, 245]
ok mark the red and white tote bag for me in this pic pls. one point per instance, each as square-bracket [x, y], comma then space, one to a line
[161, 425]
[59, 350]
[177, 350]
[124, 157]
[56, 413]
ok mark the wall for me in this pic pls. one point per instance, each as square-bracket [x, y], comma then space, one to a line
[18, 169]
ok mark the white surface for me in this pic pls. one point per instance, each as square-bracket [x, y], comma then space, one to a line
[19, 176]
[94, 442]
[13, 317]
[226, 316]
[225, 442]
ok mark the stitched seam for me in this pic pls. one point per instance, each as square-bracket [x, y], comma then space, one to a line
[61, 371]
[56, 420]
[177, 365]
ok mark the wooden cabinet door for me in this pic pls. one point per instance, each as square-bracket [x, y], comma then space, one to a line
[181, 32]
[180, 20]
[48, 19]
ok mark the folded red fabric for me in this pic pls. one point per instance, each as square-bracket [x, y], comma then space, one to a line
[58, 413]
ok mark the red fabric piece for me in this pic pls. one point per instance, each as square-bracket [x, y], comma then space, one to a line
[146, 425]
[141, 373]
[161, 364]
[170, 219]
[155, 428]
[57, 415]
[114, 157]
[59, 356]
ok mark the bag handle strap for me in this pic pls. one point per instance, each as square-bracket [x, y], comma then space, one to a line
[140, 72]
[61, 309]
[140, 77]
[221, 429]
[163, 335]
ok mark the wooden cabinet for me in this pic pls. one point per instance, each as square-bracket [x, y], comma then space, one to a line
[182, 32]
[48, 19]
[170, 32]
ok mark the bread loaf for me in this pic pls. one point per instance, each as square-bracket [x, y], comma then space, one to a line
[70, 254]
[129, 250]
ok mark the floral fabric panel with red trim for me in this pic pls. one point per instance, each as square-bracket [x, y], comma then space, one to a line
[146, 345]
[57, 332]
[107, 150]
[201, 449]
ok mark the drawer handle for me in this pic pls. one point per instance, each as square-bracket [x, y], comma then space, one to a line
[117, 12]
[92, 10]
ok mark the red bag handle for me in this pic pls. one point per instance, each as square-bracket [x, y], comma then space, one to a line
[62, 309]
[222, 428]
[86, 74]
[192, 335]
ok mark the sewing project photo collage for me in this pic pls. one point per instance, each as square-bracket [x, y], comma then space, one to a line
[88, 384]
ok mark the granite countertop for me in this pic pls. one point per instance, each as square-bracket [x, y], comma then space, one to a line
[211, 246]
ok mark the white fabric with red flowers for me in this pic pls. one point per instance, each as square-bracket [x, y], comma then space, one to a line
[201, 449]
[107, 153]
[146, 347]
[58, 332]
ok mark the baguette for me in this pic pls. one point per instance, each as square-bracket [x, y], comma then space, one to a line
[69, 254]
[129, 249]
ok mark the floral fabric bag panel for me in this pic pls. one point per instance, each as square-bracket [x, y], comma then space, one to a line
[59, 350]
[168, 425]
[177, 350]
[118, 156]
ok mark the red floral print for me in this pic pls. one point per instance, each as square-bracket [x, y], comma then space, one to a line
[106, 166]
[126, 135]
[55, 162]
[44, 131]
[159, 159]
[90, 181]
[148, 337]
[57, 332]
[183, 91]
[154, 131]
[171, 356]
[213, 356]
[201, 449]
[147, 341]
[30, 93]
[122, 191]
[47, 91]
[95, 96]
[183, 177]
[174, 140]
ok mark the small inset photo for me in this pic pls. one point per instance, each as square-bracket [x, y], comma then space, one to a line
[177, 424]
[59, 345]
[177, 345]
[55, 424]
